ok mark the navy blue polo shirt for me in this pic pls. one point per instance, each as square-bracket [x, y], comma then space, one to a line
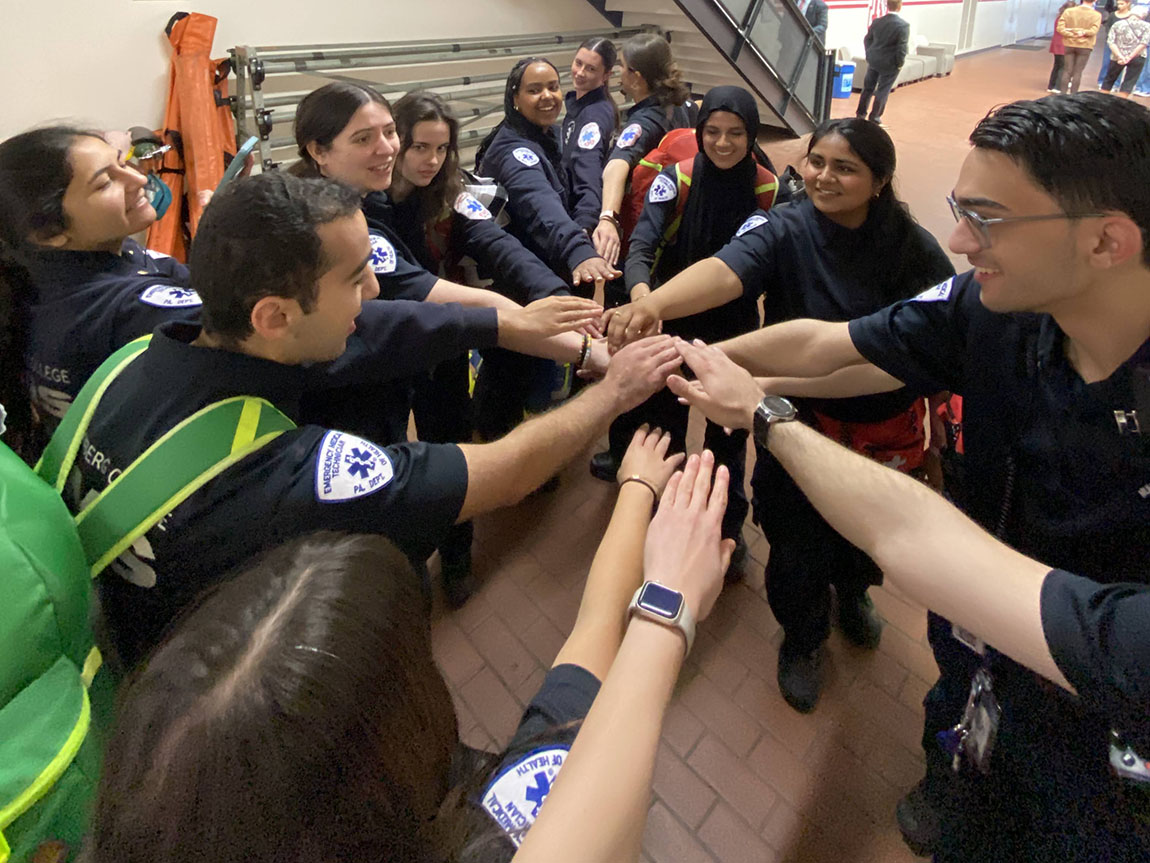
[87, 305]
[806, 266]
[537, 201]
[644, 127]
[311, 478]
[472, 232]
[587, 133]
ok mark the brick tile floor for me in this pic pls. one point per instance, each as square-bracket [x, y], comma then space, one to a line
[740, 775]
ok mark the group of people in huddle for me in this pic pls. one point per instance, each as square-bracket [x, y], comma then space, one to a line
[281, 699]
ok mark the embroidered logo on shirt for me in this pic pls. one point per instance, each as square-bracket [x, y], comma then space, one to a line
[663, 189]
[516, 795]
[936, 294]
[525, 155]
[589, 136]
[630, 135]
[751, 223]
[347, 467]
[170, 297]
[468, 205]
[383, 258]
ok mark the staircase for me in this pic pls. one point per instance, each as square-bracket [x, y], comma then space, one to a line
[767, 47]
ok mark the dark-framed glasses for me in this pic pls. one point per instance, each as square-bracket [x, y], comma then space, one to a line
[981, 225]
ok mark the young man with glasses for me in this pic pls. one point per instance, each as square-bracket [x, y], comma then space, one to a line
[1047, 338]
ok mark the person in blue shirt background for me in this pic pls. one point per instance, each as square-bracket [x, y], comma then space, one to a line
[588, 131]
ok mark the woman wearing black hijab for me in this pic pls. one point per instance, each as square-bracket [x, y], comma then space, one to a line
[692, 210]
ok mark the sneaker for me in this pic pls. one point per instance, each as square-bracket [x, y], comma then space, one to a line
[458, 582]
[800, 680]
[604, 466]
[918, 820]
[1054, 90]
[734, 573]
[878, 122]
[859, 621]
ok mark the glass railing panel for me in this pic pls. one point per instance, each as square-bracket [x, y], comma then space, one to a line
[737, 9]
[781, 39]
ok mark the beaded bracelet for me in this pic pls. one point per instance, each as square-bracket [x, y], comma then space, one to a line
[584, 352]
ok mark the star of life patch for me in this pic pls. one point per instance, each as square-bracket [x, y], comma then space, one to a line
[514, 797]
[630, 135]
[589, 136]
[937, 294]
[751, 223]
[383, 257]
[348, 467]
[170, 297]
[525, 155]
[663, 189]
[468, 205]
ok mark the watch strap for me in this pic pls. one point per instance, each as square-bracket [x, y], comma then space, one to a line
[685, 622]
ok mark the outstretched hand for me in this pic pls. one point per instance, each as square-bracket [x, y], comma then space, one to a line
[685, 549]
[646, 458]
[631, 322]
[551, 316]
[640, 370]
[605, 238]
[723, 391]
[594, 270]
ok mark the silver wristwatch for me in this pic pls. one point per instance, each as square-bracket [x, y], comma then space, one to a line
[771, 410]
[664, 605]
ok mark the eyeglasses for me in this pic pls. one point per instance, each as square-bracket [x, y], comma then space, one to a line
[981, 225]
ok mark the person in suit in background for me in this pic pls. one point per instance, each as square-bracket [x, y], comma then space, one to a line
[886, 45]
[817, 16]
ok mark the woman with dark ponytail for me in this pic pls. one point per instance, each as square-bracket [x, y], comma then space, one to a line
[588, 129]
[524, 154]
[849, 249]
[652, 79]
[74, 286]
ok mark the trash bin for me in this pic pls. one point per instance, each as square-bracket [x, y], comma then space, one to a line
[844, 78]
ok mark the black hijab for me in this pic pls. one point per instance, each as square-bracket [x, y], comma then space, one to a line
[547, 139]
[719, 201]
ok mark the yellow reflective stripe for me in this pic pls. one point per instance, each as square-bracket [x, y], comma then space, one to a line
[766, 187]
[178, 498]
[91, 665]
[246, 427]
[5, 851]
[654, 165]
[684, 179]
[50, 774]
[74, 446]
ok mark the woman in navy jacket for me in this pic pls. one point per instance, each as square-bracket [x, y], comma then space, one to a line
[589, 129]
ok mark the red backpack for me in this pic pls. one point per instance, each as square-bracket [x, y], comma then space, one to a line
[677, 145]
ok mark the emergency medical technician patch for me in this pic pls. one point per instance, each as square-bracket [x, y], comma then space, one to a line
[630, 135]
[663, 189]
[516, 795]
[348, 466]
[526, 156]
[170, 297]
[589, 136]
[751, 223]
[382, 255]
[467, 205]
[936, 294]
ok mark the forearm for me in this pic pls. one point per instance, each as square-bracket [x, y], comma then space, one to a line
[861, 380]
[563, 348]
[704, 285]
[449, 292]
[615, 175]
[929, 549]
[615, 575]
[504, 472]
[606, 780]
[802, 348]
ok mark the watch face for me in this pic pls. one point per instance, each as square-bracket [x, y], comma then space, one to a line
[660, 600]
[778, 406]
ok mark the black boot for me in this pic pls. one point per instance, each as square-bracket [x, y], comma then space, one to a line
[604, 466]
[859, 621]
[800, 677]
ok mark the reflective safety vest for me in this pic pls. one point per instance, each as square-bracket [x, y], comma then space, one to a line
[54, 706]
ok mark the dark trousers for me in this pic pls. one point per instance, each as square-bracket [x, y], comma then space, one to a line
[877, 84]
[663, 410]
[1133, 72]
[807, 557]
[441, 404]
[1076, 59]
[501, 390]
[1056, 73]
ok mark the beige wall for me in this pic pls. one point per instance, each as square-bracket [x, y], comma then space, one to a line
[105, 62]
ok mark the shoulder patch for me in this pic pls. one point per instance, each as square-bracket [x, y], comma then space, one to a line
[468, 205]
[515, 796]
[937, 294]
[383, 257]
[751, 223]
[525, 155]
[630, 135]
[589, 136]
[170, 297]
[347, 467]
[663, 189]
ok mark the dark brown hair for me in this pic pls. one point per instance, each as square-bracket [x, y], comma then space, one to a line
[649, 54]
[295, 715]
[322, 114]
[435, 199]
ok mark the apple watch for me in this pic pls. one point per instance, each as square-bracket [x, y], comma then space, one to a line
[771, 410]
[664, 605]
